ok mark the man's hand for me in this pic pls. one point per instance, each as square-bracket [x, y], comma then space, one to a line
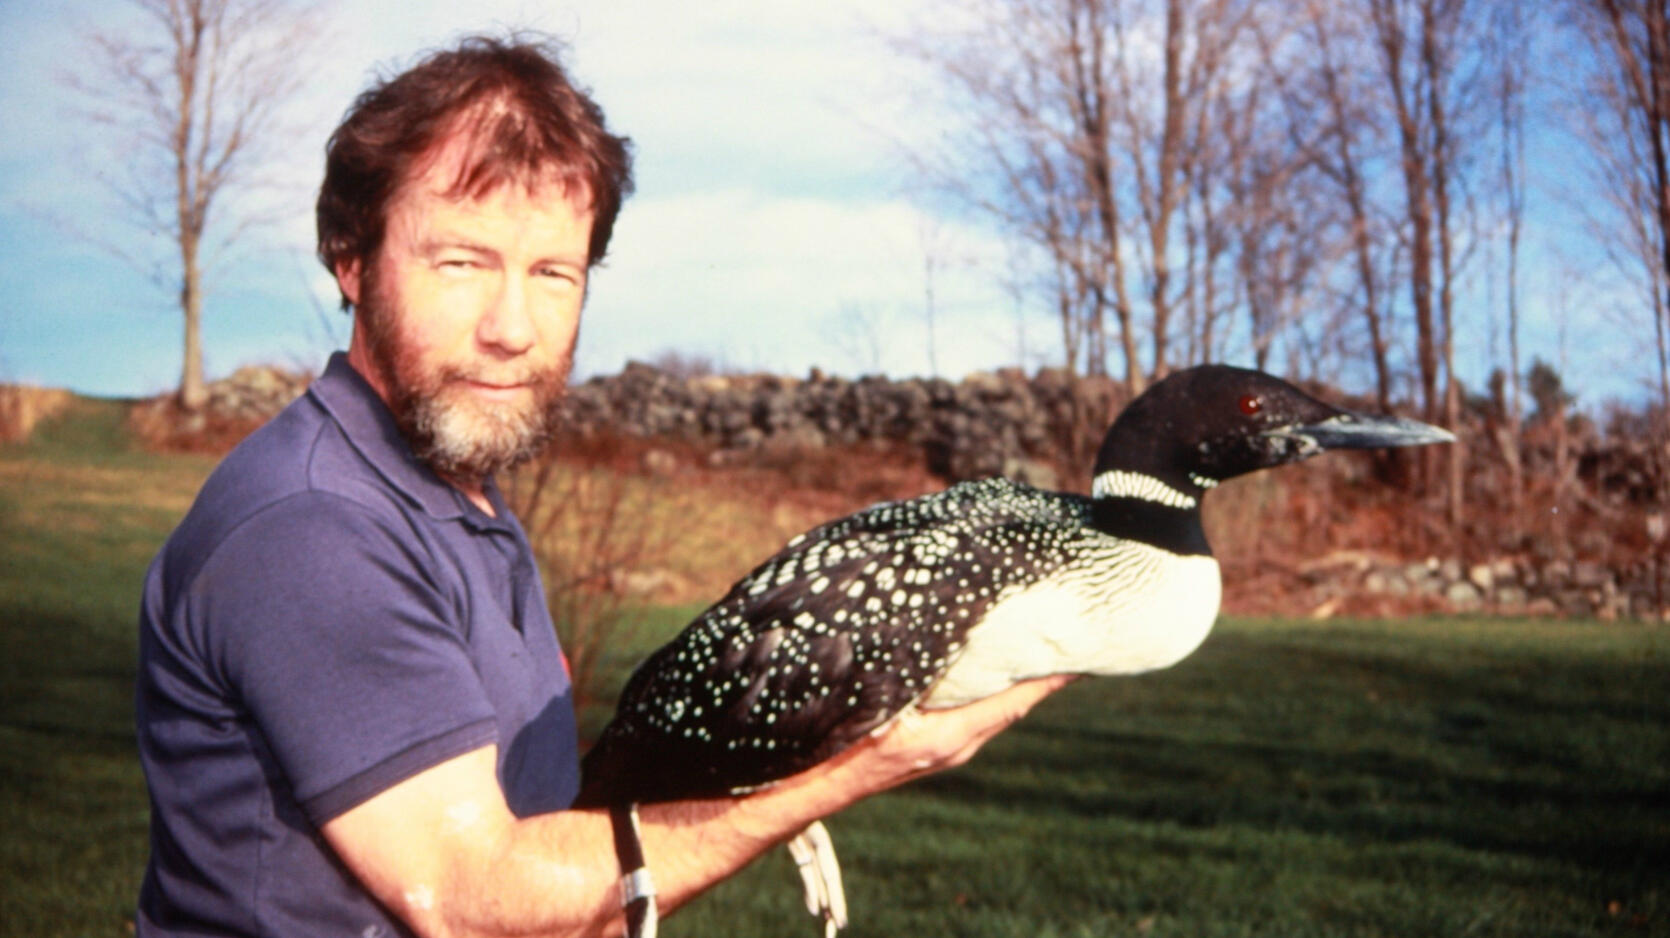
[924, 742]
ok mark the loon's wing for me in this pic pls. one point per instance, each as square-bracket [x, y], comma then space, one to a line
[824, 642]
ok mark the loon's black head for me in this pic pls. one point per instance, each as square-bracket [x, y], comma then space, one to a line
[1202, 425]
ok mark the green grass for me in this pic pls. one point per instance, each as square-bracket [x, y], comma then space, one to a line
[1433, 777]
[80, 515]
[1415, 778]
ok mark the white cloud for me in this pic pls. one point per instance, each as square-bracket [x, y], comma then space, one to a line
[754, 281]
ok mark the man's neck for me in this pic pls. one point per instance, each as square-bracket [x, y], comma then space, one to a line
[476, 492]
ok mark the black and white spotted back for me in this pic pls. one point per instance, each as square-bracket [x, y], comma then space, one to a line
[830, 638]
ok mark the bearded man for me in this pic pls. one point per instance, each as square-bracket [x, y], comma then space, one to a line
[353, 713]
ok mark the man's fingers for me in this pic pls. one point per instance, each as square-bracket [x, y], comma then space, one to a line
[992, 715]
[944, 738]
[1012, 704]
[920, 743]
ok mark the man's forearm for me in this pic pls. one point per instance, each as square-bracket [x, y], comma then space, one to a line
[444, 852]
[691, 845]
[558, 873]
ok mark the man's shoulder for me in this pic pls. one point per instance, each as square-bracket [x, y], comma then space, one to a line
[298, 473]
[299, 452]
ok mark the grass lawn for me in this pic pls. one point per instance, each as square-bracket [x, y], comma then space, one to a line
[1433, 777]
[80, 516]
[1413, 778]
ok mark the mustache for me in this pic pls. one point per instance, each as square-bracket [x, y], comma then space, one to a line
[538, 378]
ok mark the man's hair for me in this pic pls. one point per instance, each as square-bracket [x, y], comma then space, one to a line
[522, 120]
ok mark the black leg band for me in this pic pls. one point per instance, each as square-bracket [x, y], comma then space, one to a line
[637, 890]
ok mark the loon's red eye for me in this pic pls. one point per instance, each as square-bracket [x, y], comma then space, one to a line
[1251, 405]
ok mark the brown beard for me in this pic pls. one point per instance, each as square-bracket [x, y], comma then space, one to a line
[435, 426]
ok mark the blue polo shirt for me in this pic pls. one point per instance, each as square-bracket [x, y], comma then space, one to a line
[329, 619]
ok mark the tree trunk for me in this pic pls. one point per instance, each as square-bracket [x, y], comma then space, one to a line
[1432, 64]
[1167, 184]
[193, 395]
[1417, 207]
[1514, 411]
[1348, 173]
[1088, 51]
[188, 64]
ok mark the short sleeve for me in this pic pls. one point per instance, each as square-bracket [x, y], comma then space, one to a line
[330, 628]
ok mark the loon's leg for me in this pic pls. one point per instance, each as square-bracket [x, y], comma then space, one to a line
[820, 875]
[637, 888]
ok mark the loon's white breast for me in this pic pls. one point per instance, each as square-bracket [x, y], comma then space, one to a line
[1139, 608]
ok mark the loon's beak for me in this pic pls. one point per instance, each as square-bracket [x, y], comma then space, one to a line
[1361, 431]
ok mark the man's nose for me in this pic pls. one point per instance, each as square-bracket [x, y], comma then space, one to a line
[507, 324]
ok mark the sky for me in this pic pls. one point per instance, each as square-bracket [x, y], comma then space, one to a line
[775, 225]
[772, 227]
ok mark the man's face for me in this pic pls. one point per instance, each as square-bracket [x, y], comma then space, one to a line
[466, 318]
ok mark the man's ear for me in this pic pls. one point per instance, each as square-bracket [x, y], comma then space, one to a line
[348, 279]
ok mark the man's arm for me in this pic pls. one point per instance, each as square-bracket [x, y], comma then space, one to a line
[444, 852]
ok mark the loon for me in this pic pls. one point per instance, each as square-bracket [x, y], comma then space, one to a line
[947, 598]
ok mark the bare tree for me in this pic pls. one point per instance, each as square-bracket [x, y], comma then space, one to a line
[935, 255]
[859, 332]
[1036, 156]
[1439, 40]
[1343, 153]
[1626, 104]
[1429, 57]
[1165, 142]
[190, 101]
[1087, 124]
[1212, 178]
[1283, 222]
[1404, 86]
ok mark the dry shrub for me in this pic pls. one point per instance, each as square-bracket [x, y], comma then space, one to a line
[606, 535]
[1271, 530]
[23, 407]
[619, 522]
[826, 482]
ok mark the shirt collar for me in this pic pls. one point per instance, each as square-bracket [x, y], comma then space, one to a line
[370, 428]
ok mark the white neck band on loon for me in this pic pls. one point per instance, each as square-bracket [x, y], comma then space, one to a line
[1121, 483]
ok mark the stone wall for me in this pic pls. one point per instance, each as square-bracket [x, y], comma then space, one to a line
[256, 392]
[237, 404]
[1505, 585]
[1002, 423]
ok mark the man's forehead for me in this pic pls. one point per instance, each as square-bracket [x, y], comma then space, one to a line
[463, 167]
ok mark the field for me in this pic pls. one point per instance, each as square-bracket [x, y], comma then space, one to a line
[1423, 777]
